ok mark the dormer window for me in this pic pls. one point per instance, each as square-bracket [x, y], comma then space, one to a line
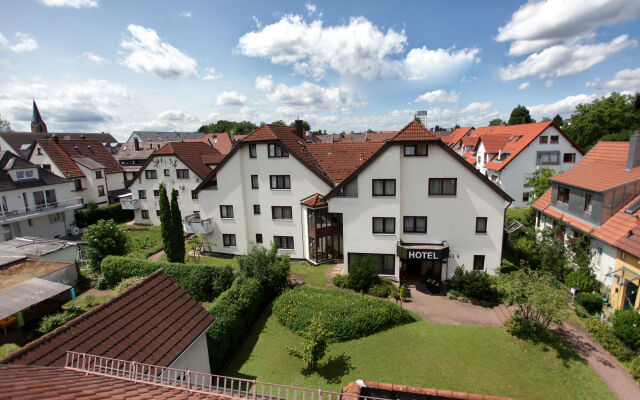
[503, 156]
[276, 151]
[26, 174]
[563, 195]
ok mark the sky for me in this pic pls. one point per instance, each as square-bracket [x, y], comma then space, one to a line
[120, 66]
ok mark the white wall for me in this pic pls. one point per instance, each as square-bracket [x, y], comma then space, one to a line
[41, 159]
[449, 218]
[195, 358]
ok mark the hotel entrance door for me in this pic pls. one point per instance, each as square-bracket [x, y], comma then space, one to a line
[418, 271]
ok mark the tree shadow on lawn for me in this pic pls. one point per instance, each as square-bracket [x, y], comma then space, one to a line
[333, 370]
[556, 340]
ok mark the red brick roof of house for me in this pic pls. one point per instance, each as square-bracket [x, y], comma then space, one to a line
[152, 322]
[339, 160]
[190, 153]
[414, 131]
[355, 389]
[48, 383]
[64, 152]
[316, 200]
[456, 135]
[220, 141]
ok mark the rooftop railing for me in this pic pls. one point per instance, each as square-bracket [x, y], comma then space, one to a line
[19, 214]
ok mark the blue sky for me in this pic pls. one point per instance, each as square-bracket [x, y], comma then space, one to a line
[119, 66]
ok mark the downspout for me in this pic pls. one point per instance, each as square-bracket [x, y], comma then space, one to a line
[504, 220]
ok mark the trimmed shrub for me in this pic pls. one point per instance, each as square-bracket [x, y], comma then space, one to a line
[203, 282]
[591, 302]
[126, 284]
[532, 331]
[235, 311]
[603, 333]
[580, 279]
[93, 214]
[634, 368]
[341, 281]
[344, 315]
[384, 288]
[473, 285]
[626, 326]
[268, 267]
[363, 274]
[51, 322]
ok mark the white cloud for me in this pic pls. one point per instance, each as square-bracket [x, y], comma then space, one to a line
[626, 80]
[69, 3]
[311, 8]
[94, 58]
[257, 22]
[23, 43]
[148, 54]
[171, 120]
[423, 63]
[185, 14]
[211, 75]
[548, 83]
[476, 107]
[305, 97]
[358, 48]
[524, 85]
[231, 98]
[592, 83]
[439, 96]
[264, 83]
[563, 107]
[540, 24]
[562, 60]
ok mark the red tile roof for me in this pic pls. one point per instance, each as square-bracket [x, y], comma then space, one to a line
[64, 152]
[339, 160]
[192, 154]
[48, 383]
[212, 159]
[602, 168]
[414, 131]
[402, 391]
[128, 150]
[61, 159]
[316, 200]
[456, 136]
[494, 143]
[153, 322]
[220, 141]
[543, 203]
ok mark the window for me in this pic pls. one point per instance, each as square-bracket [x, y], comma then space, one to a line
[544, 139]
[413, 150]
[588, 206]
[144, 214]
[27, 174]
[481, 225]
[228, 240]
[77, 183]
[194, 195]
[386, 262]
[253, 154]
[478, 263]
[256, 209]
[100, 190]
[443, 186]
[258, 236]
[158, 213]
[563, 195]
[525, 196]
[254, 182]
[226, 211]
[151, 174]
[156, 193]
[415, 224]
[384, 187]
[384, 225]
[46, 167]
[57, 217]
[555, 139]
[98, 174]
[569, 157]
[280, 181]
[277, 151]
[142, 194]
[548, 158]
[167, 173]
[281, 212]
[283, 242]
[349, 190]
[182, 173]
[39, 151]
[623, 255]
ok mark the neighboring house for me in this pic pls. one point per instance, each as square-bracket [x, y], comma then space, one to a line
[379, 136]
[219, 141]
[96, 175]
[600, 197]
[23, 143]
[413, 204]
[154, 322]
[153, 136]
[177, 165]
[46, 249]
[34, 202]
[133, 155]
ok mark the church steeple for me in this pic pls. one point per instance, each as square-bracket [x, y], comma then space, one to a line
[37, 124]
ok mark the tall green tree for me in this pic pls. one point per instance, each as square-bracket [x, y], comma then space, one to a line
[496, 121]
[316, 340]
[238, 128]
[539, 183]
[558, 120]
[177, 231]
[606, 116]
[279, 122]
[104, 238]
[165, 218]
[520, 115]
[305, 125]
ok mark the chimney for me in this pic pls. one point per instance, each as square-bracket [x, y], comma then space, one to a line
[633, 157]
[299, 129]
[136, 143]
[55, 138]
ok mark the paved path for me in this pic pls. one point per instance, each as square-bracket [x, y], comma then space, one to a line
[156, 256]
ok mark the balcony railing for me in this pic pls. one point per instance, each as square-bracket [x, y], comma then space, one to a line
[129, 204]
[194, 224]
[38, 210]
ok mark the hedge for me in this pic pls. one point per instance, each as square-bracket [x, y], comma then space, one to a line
[591, 302]
[203, 282]
[603, 333]
[235, 311]
[93, 214]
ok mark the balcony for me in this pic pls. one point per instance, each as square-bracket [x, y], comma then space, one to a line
[129, 204]
[194, 224]
[39, 210]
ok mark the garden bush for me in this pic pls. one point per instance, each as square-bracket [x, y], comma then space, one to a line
[580, 279]
[532, 331]
[102, 239]
[203, 282]
[474, 285]
[604, 334]
[626, 326]
[591, 302]
[344, 315]
[268, 267]
[126, 284]
[634, 368]
[363, 274]
[52, 321]
[93, 214]
[384, 288]
[341, 281]
[7, 349]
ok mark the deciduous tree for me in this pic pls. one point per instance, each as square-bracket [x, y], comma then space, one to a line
[520, 115]
[104, 238]
[539, 183]
[496, 121]
[316, 340]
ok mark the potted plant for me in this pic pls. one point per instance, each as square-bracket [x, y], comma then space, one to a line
[403, 293]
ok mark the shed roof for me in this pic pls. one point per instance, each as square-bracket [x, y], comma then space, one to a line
[23, 295]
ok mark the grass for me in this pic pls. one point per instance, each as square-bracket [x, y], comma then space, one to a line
[483, 360]
[313, 275]
[142, 240]
[89, 300]
[517, 213]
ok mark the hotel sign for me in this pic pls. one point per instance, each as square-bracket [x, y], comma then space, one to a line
[422, 255]
[423, 252]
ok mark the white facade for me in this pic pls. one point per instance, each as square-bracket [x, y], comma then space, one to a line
[165, 167]
[195, 357]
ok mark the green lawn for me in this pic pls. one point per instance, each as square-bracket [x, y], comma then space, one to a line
[518, 213]
[89, 299]
[142, 240]
[482, 360]
[313, 275]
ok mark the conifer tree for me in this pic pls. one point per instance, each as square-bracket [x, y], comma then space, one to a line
[165, 219]
[177, 231]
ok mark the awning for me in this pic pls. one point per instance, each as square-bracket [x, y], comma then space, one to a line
[26, 294]
[416, 251]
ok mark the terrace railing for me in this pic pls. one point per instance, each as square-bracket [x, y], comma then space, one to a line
[18, 214]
